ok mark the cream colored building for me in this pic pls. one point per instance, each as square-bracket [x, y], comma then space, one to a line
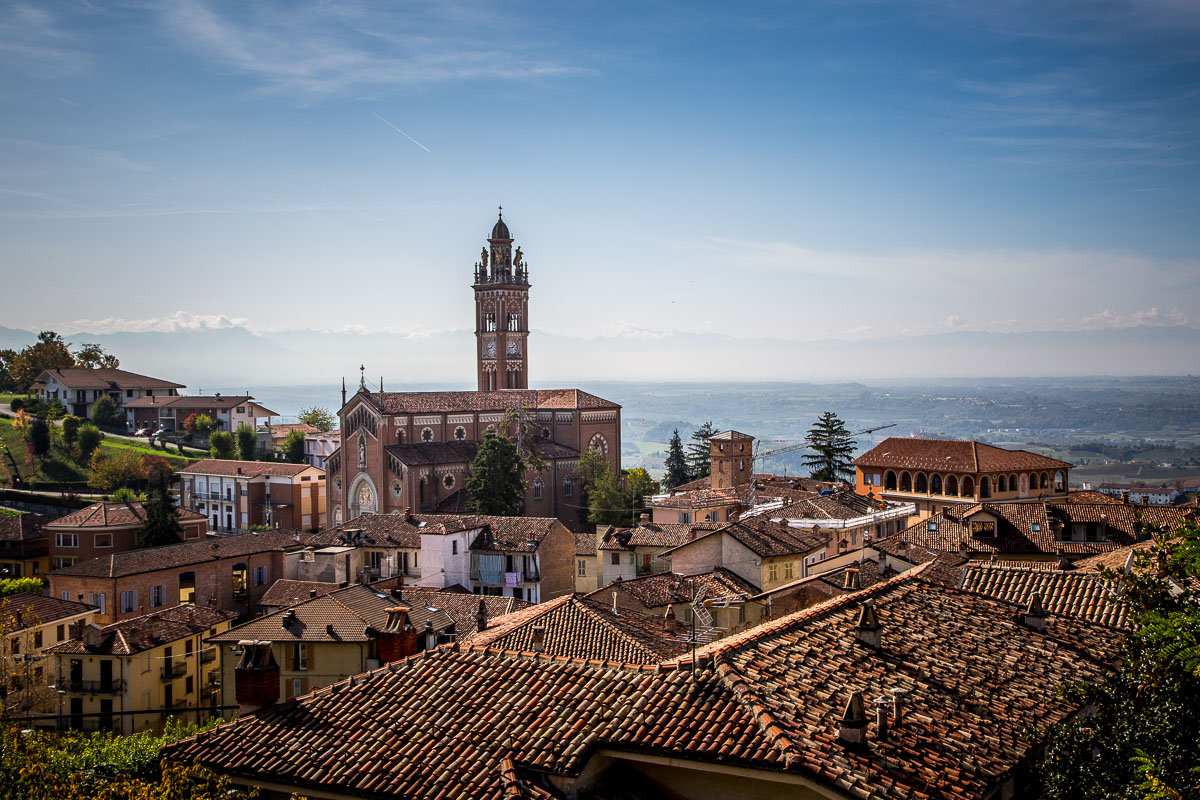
[30, 624]
[156, 666]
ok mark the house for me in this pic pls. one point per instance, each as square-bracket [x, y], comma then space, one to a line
[326, 638]
[230, 573]
[29, 625]
[24, 545]
[573, 626]
[170, 413]
[587, 569]
[529, 558]
[685, 596]
[762, 552]
[1038, 531]
[625, 553]
[78, 388]
[105, 528]
[939, 474]
[1140, 493]
[319, 446]
[156, 665]
[239, 495]
[777, 710]
[849, 519]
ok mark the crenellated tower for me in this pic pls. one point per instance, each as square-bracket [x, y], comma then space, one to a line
[502, 313]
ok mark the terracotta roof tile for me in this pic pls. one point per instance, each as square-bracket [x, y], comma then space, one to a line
[767, 538]
[148, 631]
[23, 527]
[431, 402]
[111, 515]
[663, 588]
[171, 556]
[286, 592]
[26, 610]
[953, 455]
[81, 378]
[1073, 593]
[250, 469]
[351, 614]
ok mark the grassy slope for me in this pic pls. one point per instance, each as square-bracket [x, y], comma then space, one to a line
[58, 465]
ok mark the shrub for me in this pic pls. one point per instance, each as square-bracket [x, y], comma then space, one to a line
[126, 495]
[221, 445]
[70, 430]
[90, 438]
[16, 404]
[39, 436]
[247, 441]
[104, 411]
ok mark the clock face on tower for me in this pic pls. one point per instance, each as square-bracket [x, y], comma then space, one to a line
[489, 348]
[514, 349]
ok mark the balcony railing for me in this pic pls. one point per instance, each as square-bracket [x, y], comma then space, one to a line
[172, 671]
[208, 655]
[96, 687]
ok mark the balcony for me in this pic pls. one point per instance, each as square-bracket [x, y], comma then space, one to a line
[224, 498]
[172, 671]
[96, 687]
[207, 693]
[208, 655]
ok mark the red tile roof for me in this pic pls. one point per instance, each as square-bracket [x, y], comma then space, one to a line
[286, 592]
[148, 631]
[283, 430]
[172, 556]
[663, 588]
[768, 539]
[953, 455]
[23, 527]
[576, 627]
[532, 399]
[28, 610]
[80, 378]
[452, 722]
[111, 515]
[248, 469]
[653, 534]
[353, 614]
[1074, 593]
[196, 403]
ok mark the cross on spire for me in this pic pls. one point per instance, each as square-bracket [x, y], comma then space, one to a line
[362, 376]
[501, 208]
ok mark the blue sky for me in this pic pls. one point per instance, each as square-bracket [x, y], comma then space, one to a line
[799, 170]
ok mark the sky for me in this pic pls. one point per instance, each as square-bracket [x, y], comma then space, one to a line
[852, 169]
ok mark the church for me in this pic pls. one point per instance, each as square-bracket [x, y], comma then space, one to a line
[412, 450]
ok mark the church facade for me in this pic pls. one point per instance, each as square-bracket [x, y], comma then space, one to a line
[413, 450]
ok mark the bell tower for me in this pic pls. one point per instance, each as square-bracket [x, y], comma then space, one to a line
[501, 313]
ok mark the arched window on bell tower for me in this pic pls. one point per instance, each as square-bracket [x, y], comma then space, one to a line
[501, 284]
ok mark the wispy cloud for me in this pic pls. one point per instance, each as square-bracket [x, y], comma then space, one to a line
[171, 323]
[315, 51]
[34, 42]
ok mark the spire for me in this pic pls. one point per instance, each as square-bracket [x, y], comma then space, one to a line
[343, 390]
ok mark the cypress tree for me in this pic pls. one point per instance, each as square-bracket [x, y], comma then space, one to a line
[676, 463]
[697, 456]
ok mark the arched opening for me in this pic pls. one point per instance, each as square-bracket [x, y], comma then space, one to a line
[1033, 481]
[921, 484]
[1060, 482]
[1045, 481]
[1002, 484]
[935, 484]
[905, 482]
[952, 485]
[363, 498]
[239, 579]
[968, 486]
[889, 480]
[1012, 483]
[985, 487]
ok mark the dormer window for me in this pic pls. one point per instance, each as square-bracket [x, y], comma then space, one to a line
[1036, 527]
[933, 526]
[983, 529]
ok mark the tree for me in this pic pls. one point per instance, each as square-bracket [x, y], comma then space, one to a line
[161, 525]
[698, 456]
[202, 424]
[247, 442]
[92, 356]
[70, 430]
[90, 438]
[8, 358]
[832, 447]
[39, 436]
[607, 501]
[110, 472]
[320, 418]
[1142, 740]
[49, 352]
[104, 412]
[126, 495]
[639, 483]
[495, 484]
[221, 445]
[293, 447]
[676, 463]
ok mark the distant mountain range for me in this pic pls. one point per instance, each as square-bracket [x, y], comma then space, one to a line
[237, 357]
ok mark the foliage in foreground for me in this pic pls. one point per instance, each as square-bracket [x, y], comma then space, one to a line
[72, 766]
[1144, 739]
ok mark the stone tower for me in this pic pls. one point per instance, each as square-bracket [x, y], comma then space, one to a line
[501, 313]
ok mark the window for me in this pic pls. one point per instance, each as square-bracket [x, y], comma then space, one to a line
[103, 540]
[741, 465]
[66, 595]
[460, 434]
[97, 600]
[514, 322]
[983, 528]
[427, 435]
[260, 576]
[582, 568]
[158, 595]
[454, 547]
[933, 526]
[489, 321]
[189, 685]
[772, 572]
[16, 646]
[545, 433]
[129, 393]
[685, 516]
[537, 489]
[297, 687]
[787, 570]
[300, 657]
[128, 601]
[241, 409]
[448, 481]
[713, 516]
[58, 562]
[568, 487]
[239, 580]
[66, 539]
[61, 632]
[616, 559]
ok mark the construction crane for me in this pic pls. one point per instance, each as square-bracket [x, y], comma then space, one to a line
[791, 448]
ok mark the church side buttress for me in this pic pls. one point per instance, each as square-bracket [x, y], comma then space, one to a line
[501, 313]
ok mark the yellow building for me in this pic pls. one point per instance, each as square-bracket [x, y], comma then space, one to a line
[29, 625]
[587, 566]
[135, 674]
[24, 545]
[762, 552]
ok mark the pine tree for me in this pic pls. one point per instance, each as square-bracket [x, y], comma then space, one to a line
[676, 463]
[495, 485]
[832, 447]
[697, 455]
[161, 525]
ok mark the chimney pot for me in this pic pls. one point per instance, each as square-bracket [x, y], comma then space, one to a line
[670, 624]
[481, 616]
[539, 638]
[867, 628]
[1035, 614]
[898, 705]
[853, 728]
[643, 518]
[881, 717]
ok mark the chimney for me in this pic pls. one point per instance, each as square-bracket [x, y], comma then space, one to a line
[539, 638]
[898, 706]
[312, 593]
[852, 581]
[643, 518]
[881, 717]
[670, 624]
[91, 635]
[289, 617]
[481, 616]
[1035, 615]
[1125, 497]
[430, 636]
[853, 728]
[867, 628]
[256, 677]
[1145, 498]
